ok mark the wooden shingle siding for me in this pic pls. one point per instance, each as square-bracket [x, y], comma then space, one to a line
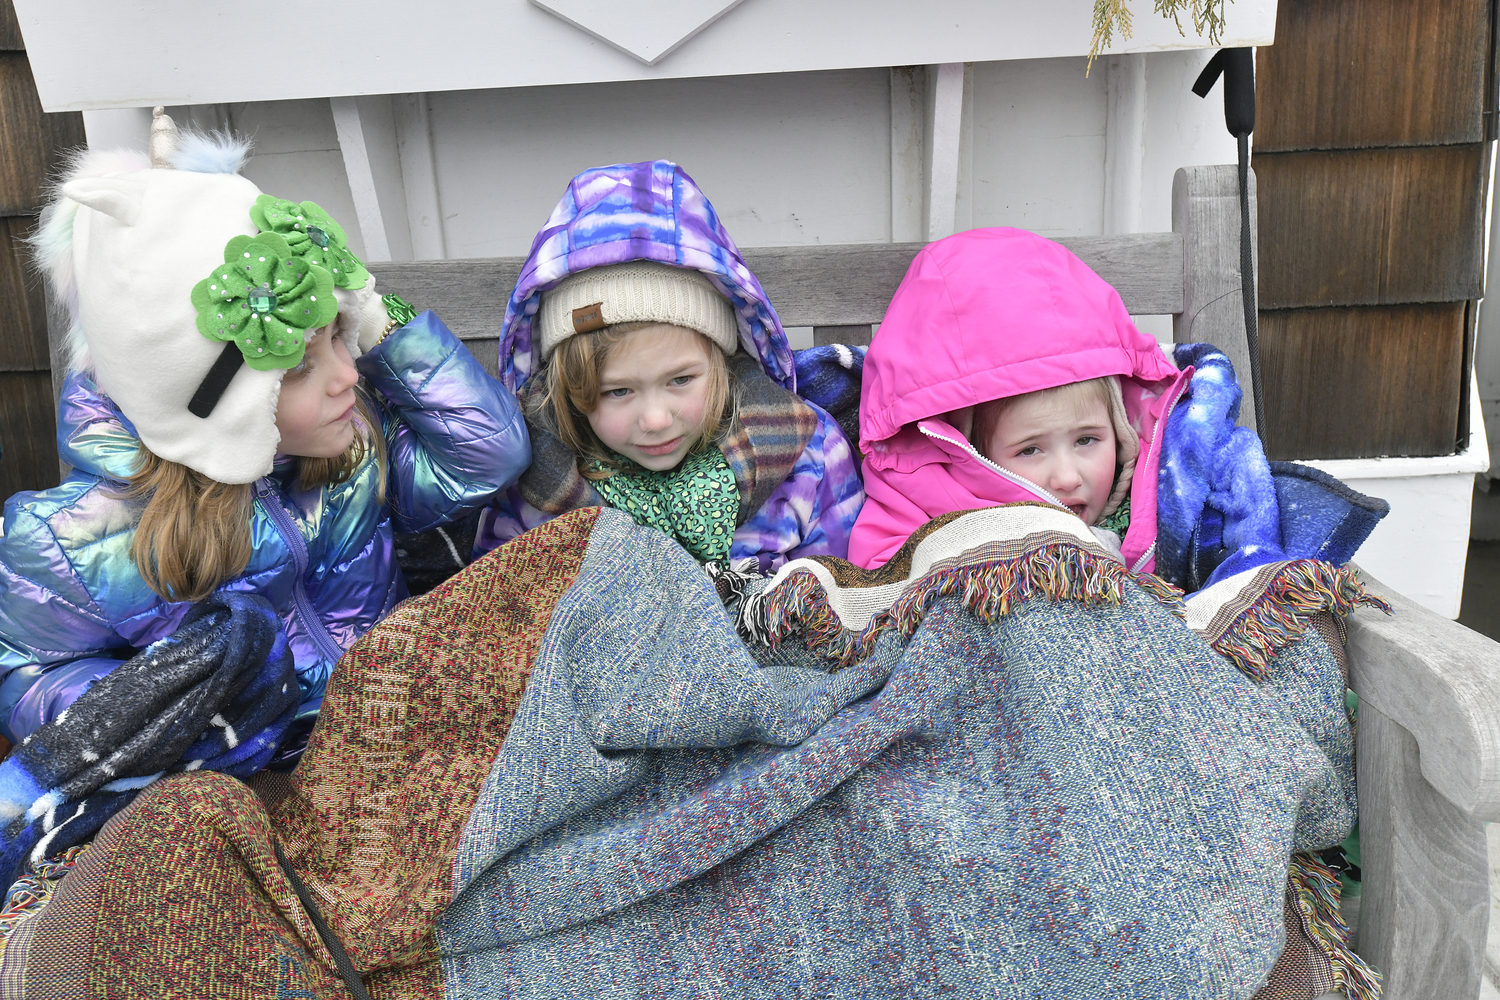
[1361, 374]
[32, 146]
[10, 29]
[28, 432]
[33, 141]
[1373, 164]
[1360, 227]
[1352, 74]
[23, 321]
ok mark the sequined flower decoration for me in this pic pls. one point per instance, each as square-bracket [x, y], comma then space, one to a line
[266, 299]
[311, 233]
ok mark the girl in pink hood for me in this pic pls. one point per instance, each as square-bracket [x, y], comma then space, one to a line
[994, 314]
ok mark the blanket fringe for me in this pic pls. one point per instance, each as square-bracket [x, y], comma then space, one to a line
[1316, 889]
[32, 890]
[1280, 615]
[1059, 572]
[1165, 593]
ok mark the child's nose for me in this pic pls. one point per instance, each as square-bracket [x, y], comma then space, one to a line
[1065, 476]
[656, 415]
[345, 375]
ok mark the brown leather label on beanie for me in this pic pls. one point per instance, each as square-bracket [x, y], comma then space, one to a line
[587, 319]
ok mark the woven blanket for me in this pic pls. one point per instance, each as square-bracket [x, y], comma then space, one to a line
[1016, 772]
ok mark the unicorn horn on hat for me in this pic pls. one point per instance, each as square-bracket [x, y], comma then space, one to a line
[164, 138]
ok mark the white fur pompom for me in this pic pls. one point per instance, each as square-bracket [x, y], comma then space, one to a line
[212, 153]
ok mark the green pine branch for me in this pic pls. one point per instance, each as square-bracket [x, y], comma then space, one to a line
[1113, 15]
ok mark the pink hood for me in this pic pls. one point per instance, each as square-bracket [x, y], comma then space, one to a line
[981, 315]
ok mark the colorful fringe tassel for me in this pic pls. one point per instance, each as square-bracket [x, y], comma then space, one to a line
[32, 890]
[1280, 615]
[1058, 572]
[1316, 888]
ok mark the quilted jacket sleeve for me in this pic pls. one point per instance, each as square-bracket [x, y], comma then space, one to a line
[54, 642]
[457, 436]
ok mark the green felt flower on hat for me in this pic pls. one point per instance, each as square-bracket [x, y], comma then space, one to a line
[311, 233]
[266, 299]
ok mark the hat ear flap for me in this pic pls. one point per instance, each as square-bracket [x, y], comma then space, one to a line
[117, 197]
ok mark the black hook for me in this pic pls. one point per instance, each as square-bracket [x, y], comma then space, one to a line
[1238, 67]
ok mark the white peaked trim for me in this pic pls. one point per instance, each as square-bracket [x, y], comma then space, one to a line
[87, 55]
[649, 33]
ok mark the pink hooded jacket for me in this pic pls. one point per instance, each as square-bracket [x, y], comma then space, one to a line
[981, 315]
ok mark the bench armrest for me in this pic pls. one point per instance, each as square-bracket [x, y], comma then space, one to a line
[1441, 682]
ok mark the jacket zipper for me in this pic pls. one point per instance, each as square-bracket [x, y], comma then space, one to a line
[1160, 437]
[1021, 481]
[312, 623]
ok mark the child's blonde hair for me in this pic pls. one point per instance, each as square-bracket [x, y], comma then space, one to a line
[1105, 390]
[571, 392]
[193, 534]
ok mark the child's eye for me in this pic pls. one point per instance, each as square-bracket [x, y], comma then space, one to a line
[1028, 452]
[1087, 440]
[300, 371]
[614, 393]
[682, 380]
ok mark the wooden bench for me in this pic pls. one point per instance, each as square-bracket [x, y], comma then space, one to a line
[1429, 689]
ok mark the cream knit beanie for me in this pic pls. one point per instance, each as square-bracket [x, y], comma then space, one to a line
[638, 291]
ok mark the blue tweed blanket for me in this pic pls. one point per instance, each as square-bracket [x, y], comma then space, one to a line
[1076, 797]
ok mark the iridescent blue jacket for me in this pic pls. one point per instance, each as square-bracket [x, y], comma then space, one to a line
[73, 605]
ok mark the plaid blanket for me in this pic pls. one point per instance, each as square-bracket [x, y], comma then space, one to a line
[1014, 771]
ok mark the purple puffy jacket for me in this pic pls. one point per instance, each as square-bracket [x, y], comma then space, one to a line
[72, 604]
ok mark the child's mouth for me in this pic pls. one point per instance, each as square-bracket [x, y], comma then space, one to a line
[1078, 507]
[665, 448]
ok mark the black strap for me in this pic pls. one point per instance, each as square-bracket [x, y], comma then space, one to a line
[1247, 289]
[330, 940]
[1238, 67]
[211, 389]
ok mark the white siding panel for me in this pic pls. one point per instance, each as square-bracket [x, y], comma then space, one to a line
[1039, 146]
[786, 159]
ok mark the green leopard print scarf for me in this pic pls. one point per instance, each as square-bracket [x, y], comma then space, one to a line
[696, 503]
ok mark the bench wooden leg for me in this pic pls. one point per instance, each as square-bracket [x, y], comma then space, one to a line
[1425, 908]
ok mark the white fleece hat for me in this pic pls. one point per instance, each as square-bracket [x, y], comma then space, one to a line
[159, 265]
[638, 291]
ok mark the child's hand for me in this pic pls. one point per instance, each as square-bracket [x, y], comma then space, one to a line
[373, 321]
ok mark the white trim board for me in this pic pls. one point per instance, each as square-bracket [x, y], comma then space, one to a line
[97, 54]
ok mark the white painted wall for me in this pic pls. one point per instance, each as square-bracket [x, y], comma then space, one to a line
[788, 158]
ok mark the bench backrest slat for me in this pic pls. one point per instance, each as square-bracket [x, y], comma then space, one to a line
[846, 286]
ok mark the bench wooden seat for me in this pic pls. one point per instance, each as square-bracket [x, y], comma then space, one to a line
[1429, 724]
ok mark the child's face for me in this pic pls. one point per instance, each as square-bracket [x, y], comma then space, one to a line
[315, 414]
[653, 391]
[1063, 442]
